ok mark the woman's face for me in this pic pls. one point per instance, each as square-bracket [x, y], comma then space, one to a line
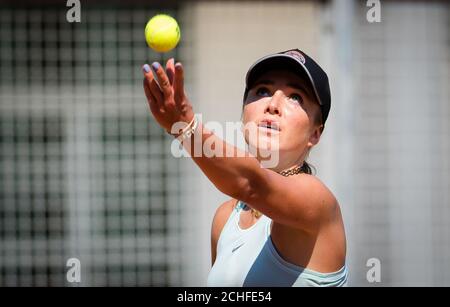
[284, 110]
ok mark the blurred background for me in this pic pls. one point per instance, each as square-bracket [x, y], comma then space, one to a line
[85, 172]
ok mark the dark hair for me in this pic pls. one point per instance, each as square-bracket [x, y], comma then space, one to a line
[308, 169]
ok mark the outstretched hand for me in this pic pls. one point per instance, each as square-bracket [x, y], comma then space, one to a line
[165, 94]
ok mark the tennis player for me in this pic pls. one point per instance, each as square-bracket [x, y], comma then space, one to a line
[283, 226]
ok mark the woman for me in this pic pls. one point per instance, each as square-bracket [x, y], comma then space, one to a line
[282, 227]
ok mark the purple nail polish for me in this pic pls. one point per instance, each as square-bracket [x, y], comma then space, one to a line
[146, 68]
[155, 65]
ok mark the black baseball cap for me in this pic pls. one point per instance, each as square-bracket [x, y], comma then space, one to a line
[300, 63]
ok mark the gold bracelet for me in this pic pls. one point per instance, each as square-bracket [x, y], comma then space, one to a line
[189, 130]
[180, 131]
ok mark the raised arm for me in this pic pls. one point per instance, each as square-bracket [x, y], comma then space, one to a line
[301, 202]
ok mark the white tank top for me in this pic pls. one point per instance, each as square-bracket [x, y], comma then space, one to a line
[248, 258]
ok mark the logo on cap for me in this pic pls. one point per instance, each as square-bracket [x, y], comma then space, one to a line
[297, 55]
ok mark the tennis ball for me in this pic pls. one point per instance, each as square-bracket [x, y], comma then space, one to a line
[162, 33]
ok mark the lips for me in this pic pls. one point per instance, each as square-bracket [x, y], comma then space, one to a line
[269, 124]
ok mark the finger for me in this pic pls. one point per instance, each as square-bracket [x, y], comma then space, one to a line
[148, 93]
[170, 70]
[156, 91]
[178, 82]
[152, 86]
[154, 108]
[163, 80]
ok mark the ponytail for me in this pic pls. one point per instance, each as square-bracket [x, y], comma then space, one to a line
[308, 169]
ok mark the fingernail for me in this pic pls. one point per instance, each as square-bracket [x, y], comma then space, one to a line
[146, 68]
[155, 65]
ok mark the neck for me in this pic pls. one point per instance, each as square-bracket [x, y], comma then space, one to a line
[286, 164]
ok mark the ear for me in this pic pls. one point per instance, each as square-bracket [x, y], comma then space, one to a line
[314, 138]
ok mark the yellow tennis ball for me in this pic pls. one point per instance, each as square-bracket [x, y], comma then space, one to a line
[162, 33]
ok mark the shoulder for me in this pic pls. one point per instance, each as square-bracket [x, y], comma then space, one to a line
[322, 197]
[321, 202]
[315, 185]
[221, 216]
[309, 205]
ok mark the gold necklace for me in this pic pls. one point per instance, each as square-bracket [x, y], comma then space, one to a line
[286, 173]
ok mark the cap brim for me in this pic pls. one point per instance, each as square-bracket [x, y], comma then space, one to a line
[279, 62]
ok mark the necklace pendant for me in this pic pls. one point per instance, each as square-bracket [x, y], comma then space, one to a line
[256, 213]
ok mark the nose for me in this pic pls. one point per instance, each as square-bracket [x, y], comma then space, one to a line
[274, 105]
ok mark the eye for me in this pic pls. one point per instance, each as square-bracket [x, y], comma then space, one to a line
[297, 98]
[263, 91]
